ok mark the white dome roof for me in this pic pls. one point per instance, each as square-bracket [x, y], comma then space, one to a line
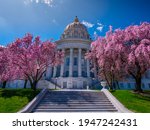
[75, 30]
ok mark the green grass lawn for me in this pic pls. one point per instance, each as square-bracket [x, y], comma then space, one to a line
[134, 102]
[12, 100]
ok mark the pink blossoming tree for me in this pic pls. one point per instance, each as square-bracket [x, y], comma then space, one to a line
[138, 60]
[6, 70]
[31, 58]
[123, 52]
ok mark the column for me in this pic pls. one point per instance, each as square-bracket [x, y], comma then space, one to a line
[88, 66]
[62, 66]
[71, 62]
[79, 63]
[49, 72]
[54, 71]
[95, 71]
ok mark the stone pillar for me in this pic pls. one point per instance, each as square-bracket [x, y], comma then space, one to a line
[79, 63]
[88, 66]
[54, 71]
[95, 71]
[62, 66]
[49, 72]
[71, 62]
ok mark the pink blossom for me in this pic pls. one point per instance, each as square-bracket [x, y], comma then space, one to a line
[124, 52]
[32, 57]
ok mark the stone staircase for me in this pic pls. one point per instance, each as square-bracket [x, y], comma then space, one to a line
[46, 84]
[74, 101]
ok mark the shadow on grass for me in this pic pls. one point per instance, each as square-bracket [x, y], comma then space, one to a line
[12, 100]
[8, 93]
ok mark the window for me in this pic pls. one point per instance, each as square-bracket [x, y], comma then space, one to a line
[83, 61]
[75, 61]
[67, 61]
[147, 74]
[149, 85]
[92, 74]
[84, 74]
[45, 74]
[74, 84]
[58, 71]
[143, 85]
[129, 85]
[121, 85]
[64, 84]
[84, 84]
[67, 74]
[75, 73]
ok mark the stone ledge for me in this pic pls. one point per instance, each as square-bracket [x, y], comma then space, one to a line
[31, 105]
[119, 106]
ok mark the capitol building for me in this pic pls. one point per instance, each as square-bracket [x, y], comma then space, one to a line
[74, 72]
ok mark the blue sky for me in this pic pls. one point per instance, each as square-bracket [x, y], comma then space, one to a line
[48, 18]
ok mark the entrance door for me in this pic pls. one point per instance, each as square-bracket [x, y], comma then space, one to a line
[64, 84]
[84, 84]
[74, 84]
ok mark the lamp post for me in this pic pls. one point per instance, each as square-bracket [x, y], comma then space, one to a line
[55, 83]
[87, 87]
[103, 83]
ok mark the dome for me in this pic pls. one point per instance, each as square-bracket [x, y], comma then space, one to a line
[75, 30]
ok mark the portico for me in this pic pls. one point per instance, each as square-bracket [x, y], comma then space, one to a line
[74, 72]
[75, 64]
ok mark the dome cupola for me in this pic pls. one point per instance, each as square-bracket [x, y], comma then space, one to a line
[75, 30]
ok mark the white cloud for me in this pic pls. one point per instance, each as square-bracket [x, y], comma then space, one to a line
[95, 35]
[100, 27]
[54, 21]
[87, 24]
[47, 2]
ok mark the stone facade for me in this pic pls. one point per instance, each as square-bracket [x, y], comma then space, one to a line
[74, 72]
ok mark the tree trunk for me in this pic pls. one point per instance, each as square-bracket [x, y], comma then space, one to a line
[25, 83]
[31, 84]
[34, 85]
[107, 80]
[4, 84]
[138, 84]
[117, 84]
[112, 82]
[138, 80]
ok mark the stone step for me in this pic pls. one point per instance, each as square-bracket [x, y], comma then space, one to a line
[48, 96]
[99, 97]
[75, 101]
[77, 104]
[76, 96]
[75, 107]
[75, 110]
[76, 93]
